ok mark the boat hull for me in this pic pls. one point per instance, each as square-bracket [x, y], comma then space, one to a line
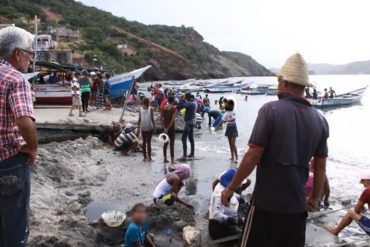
[347, 99]
[59, 95]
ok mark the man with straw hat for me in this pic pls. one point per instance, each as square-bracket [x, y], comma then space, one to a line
[287, 134]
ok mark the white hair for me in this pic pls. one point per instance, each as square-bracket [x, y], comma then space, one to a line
[12, 38]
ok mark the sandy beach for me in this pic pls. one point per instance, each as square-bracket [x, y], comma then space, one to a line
[71, 174]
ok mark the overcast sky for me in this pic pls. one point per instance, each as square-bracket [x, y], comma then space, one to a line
[324, 31]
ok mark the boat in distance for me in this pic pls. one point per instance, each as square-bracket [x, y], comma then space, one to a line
[346, 99]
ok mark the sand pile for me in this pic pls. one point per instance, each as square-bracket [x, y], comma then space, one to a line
[71, 174]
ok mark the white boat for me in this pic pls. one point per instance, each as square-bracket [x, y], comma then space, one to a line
[190, 87]
[347, 99]
[260, 89]
[227, 87]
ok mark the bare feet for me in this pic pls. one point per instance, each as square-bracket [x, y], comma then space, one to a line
[145, 159]
[150, 159]
[330, 228]
[183, 158]
[191, 156]
[166, 161]
[70, 115]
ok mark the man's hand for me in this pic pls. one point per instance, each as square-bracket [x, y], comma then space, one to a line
[225, 196]
[31, 152]
[189, 206]
[312, 204]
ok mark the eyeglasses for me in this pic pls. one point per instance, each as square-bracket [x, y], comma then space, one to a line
[31, 53]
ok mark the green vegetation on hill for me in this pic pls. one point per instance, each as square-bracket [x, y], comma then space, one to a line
[174, 52]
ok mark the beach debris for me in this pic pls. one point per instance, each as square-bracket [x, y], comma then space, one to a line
[191, 235]
[169, 234]
[113, 218]
[163, 138]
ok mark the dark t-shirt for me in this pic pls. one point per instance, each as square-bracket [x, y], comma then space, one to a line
[365, 197]
[291, 132]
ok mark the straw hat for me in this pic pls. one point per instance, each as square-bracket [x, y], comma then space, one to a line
[295, 71]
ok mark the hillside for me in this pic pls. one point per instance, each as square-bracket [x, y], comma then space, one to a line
[361, 67]
[174, 52]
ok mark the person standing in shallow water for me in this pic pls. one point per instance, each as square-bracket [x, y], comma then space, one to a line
[147, 126]
[168, 119]
[18, 136]
[188, 103]
[287, 134]
[231, 129]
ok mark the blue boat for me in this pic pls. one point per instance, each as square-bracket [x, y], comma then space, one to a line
[119, 84]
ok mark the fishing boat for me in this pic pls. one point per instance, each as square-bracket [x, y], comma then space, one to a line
[190, 87]
[53, 94]
[227, 87]
[260, 89]
[347, 99]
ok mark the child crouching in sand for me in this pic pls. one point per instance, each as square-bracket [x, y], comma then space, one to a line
[137, 234]
[76, 98]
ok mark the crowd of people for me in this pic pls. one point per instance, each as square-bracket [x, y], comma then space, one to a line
[288, 135]
[89, 90]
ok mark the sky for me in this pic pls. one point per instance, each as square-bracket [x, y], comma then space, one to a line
[323, 31]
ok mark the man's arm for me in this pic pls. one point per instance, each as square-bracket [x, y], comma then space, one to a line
[359, 207]
[318, 183]
[250, 160]
[27, 130]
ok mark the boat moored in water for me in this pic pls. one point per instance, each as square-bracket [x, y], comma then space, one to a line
[346, 99]
[260, 89]
[227, 87]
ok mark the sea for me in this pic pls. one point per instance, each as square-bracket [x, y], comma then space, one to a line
[349, 149]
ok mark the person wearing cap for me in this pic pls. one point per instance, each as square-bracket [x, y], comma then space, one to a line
[76, 98]
[287, 134]
[168, 188]
[224, 221]
[356, 212]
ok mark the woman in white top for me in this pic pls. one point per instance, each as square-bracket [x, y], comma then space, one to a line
[167, 190]
[146, 125]
[231, 129]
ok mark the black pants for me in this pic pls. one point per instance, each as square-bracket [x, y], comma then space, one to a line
[267, 229]
[188, 132]
[14, 201]
[171, 134]
[85, 97]
[219, 230]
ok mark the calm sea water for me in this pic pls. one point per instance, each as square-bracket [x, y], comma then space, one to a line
[348, 143]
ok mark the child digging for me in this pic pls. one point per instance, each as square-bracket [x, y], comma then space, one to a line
[76, 99]
[147, 126]
[137, 234]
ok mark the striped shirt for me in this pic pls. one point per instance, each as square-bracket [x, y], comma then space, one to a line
[124, 137]
[15, 102]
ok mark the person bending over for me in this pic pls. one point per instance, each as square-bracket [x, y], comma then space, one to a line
[356, 212]
[167, 190]
[224, 221]
[137, 234]
[127, 141]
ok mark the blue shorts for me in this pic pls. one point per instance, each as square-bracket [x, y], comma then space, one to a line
[217, 121]
[364, 223]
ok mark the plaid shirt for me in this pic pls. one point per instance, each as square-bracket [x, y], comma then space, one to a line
[15, 102]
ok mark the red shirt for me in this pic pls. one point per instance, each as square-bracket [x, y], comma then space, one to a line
[15, 102]
[365, 197]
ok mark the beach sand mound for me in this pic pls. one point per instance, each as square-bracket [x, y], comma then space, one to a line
[71, 174]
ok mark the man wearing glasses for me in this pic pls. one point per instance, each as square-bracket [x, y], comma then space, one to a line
[18, 137]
